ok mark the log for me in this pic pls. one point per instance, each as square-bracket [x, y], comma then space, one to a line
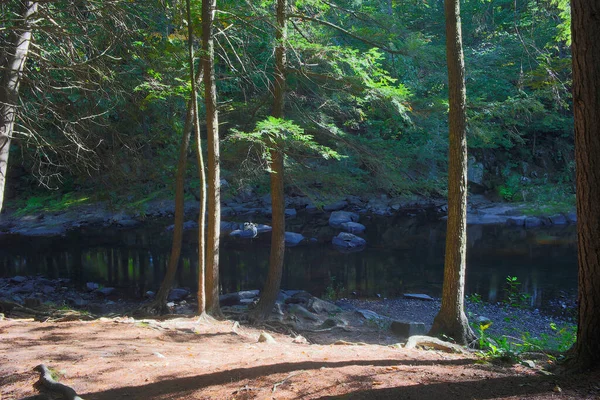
[47, 383]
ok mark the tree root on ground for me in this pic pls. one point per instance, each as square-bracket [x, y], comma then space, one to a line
[49, 388]
[434, 343]
[15, 310]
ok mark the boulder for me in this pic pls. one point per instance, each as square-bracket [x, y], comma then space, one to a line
[353, 227]
[249, 231]
[533, 222]
[348, 241]
[178, 294]
[261, 228]
[91, 286]
[319, 306]
[337, 218]
[369, 315]
[293, 239]
[338, 205]
[407, 329]
[290, 212]
[558, 219]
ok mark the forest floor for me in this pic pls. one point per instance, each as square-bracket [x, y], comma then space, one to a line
[188, 358]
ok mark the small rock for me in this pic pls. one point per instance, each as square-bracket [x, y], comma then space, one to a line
[483, 320]
[348, 241]
[293, 239]
[171, 304]
[418, 296]
[337, 218]
[91, 286]
[149, 294]
[266, 338]
[300, 340]
[290, 212]
[18, 279]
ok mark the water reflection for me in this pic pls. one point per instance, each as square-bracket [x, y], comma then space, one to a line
[403, 255]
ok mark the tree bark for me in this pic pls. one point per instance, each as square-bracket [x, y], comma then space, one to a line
[451, 320]
[270, 291]
[214, 174]
[585, 28]
[201, 294]
[9, 86]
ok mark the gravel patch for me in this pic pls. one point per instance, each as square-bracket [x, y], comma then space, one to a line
[506, 321]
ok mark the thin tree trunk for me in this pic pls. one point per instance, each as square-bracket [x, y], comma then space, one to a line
[201, 295]
[214, 175]
[9, 86]
[159, 303]
[585, 26]
[451, 320]
[270, 292]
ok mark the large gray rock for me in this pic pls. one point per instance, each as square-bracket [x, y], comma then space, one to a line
[407, 329]
[319, 306]
[353, 227]
[348, 241]
[293, 239]
[337, 218]
[475, 171]
[558, 219]
[248, 294]
[178, 294]
[248, 231]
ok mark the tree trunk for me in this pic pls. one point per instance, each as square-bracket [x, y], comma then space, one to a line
[270, 292]
[201, 294]
[9, 86]
[585, 28]
[214, 175]
[159, 304]
[451, 320]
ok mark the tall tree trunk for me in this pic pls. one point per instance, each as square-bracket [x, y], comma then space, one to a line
[451, 320]
[585, 27]
[214, 174]
[9, 85]
[269, 294]
[201, 294]
[159, 303]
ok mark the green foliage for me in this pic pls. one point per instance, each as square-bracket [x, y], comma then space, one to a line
[334, 290]
[514, 297]
[52, 203]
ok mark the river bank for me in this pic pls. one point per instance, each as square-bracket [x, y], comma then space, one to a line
[481, 211]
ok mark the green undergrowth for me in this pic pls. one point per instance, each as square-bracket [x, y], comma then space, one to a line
[52, 202]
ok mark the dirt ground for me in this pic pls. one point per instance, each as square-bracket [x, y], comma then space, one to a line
[184, 358]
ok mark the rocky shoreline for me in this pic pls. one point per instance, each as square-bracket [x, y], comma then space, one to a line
[242, 208]
[390, 319]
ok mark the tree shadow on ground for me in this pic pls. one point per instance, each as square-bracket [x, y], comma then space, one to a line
[177, 387]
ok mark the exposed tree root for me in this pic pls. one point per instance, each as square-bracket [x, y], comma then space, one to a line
[47, 385]
[435, 343]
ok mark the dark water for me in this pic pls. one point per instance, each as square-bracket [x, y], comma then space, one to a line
[403, 255]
